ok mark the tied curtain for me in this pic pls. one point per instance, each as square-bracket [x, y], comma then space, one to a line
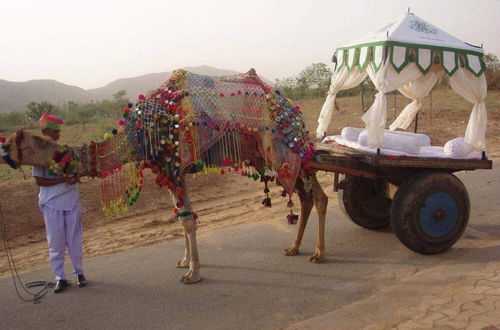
[415, 90]
[473, 89]
[386, 79]
[341, 80]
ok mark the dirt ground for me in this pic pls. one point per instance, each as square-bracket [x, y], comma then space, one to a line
[219, 201]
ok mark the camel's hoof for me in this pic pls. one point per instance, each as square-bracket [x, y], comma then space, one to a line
[182, 263]
[190, 278]
[291, 251]
[317, 258]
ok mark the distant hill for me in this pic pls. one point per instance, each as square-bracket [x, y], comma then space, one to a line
[143, 84]
[15, 96]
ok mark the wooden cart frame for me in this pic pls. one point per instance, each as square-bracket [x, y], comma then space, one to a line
[427, 206]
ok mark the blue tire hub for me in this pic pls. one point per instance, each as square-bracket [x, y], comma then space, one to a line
[438, 215]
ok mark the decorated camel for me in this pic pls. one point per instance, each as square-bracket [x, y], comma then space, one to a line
[193, 124]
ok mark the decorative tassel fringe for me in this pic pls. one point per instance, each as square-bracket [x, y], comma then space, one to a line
[292, 218]
[267, 201]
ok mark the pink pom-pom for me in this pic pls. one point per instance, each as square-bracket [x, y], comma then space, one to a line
[141, 97]
[121, 122]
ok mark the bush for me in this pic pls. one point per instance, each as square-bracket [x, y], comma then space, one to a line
[493, 79]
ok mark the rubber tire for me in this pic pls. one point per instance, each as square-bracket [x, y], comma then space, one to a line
[364, 204]
[408, 210]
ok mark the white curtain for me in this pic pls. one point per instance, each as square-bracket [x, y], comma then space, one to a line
[415, 90]
[473, 89]
[341, 80]
[385, 80]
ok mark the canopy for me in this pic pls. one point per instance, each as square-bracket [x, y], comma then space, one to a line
[410, 55]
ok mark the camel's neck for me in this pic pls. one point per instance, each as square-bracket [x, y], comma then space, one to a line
[83, 160]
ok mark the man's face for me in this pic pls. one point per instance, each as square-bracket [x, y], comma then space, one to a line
[52, 133]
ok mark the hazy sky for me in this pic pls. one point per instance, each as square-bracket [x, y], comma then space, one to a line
[90, 43]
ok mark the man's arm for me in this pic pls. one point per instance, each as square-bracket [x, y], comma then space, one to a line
[44, 182]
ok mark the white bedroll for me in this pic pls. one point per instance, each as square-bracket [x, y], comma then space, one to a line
[409, 55]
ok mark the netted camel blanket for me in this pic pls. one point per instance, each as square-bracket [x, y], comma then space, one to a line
[207, 124]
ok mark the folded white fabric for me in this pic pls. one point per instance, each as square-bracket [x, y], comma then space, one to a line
[422, 139]
[425, 152]
[400, 142]
[351, 133]
[458, 148]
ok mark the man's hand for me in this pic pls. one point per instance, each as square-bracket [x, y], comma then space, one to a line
[73, 179]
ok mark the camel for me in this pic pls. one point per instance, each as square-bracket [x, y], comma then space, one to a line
[169, 134]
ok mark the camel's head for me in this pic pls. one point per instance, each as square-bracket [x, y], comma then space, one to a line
[23, 148]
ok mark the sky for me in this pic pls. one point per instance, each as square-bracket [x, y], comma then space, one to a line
[91, 43]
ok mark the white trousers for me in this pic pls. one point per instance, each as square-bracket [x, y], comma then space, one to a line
[64, 230]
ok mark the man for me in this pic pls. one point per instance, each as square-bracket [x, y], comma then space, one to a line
[59, 202]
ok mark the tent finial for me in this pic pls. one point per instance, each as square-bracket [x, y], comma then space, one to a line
[409, 10]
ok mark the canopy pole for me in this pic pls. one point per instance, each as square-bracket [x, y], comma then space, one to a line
[430, 108]
[395, 104]
[362, 98]
[416, 122]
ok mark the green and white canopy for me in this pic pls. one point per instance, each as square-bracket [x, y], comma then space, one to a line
[410, 55]
[411, 36]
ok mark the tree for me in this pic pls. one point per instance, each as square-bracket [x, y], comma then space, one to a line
[12, 119]
[119, 94]
[491, 61]
[285, 86]
[83, 115]
[316, 75]
[36, 110]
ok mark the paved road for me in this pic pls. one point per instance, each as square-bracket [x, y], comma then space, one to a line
[249, 284]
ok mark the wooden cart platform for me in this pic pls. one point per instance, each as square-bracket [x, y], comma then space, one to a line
[427, 206]
[333, 157]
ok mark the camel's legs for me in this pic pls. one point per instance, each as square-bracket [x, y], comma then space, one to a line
[191, 258]
[306, 205]
[321, 203]
[184, 262]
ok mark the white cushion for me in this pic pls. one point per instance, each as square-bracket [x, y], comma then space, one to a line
[422, 139]
[351, 133]
[458, 148]
[400, 142]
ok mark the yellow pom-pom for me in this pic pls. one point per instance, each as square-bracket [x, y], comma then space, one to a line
[107, 136]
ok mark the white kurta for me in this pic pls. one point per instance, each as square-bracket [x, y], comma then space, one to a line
[60, 205]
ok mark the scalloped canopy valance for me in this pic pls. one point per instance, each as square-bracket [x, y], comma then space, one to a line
[411, 39]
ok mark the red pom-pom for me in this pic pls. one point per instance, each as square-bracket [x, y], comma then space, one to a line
[121, 122]
[221, 94]
[126, 110]
[138, 124]
[141, 97]
[3, 139]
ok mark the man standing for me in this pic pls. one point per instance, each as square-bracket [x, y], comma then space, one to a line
[59, 202]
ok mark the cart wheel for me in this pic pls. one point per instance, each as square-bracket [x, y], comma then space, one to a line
[430, 212]
[362, 200]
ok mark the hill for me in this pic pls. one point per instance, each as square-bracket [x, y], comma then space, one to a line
[142, 84]
[15, 96]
